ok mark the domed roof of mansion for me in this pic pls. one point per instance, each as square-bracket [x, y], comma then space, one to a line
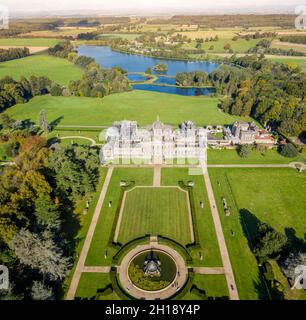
[157, 125]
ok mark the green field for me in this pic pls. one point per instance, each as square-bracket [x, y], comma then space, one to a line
[28, 42]
[273, 196]
[291, 61]
[141, 106]
[214, 286]
[239, 46]
[287, 46]
[207, 236]
[57, 69]
[91, 282]
[99, 245]
[215, 156]
[155, 211]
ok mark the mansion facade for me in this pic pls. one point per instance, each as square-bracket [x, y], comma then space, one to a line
[156, 144]
[160, 143]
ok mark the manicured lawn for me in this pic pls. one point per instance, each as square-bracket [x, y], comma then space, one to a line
[29, 42]
[67, 133]
[69, 142]
[209, 245]
[141, 106]
[231, 157]
[82, 225]
[56, 69]
[100, 253]
[156, 211]
[91, 282]
[273, 196]
[214, 285]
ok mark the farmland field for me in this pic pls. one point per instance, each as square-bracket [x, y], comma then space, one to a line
[56, 69]
[141, 106]
[28, 42]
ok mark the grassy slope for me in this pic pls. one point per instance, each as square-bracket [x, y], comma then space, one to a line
[231, 157]
[59, 70]
[28, 42]
[99, 244]
[208, 240]
[255, 190]
[141, 106]
[155, 211]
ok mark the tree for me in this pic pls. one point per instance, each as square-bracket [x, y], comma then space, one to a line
[40, 254]
[41, 292]
[56, 90]
[243, 150]
[6, 121]
[227, 47]
[269, 243]
[288, 151]
[43, 123]
[47, 213]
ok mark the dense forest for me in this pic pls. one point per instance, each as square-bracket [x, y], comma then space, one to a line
[38, 196]
[241, 20]
[13, 53]
[13, 92]
[272, 93]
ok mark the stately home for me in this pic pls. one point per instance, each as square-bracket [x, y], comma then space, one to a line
[247, 133]
[153, 144]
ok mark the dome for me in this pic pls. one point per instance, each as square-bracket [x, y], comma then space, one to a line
[112, 132]
[157, 125]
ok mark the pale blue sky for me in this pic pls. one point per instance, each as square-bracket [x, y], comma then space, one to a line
[239, 5]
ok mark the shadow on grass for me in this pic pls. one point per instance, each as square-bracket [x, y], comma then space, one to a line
[265, 289]
[56, 122]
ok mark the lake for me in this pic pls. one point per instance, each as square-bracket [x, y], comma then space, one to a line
[108, 58]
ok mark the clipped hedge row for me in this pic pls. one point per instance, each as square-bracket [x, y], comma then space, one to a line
[177, 246]
[196, 244]
[117, 288]
[129, 246]
[111, 242]
[186, 289]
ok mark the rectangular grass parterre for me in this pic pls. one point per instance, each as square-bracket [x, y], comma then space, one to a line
[155, 211]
